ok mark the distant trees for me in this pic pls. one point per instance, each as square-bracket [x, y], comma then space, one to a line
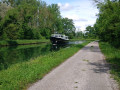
[68, 26]
[90, 32]
[32, 19]
[79, 35]
[108, 22]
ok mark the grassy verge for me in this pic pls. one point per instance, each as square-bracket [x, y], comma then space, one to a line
[113, 58]
[20, 42]
[18, 76]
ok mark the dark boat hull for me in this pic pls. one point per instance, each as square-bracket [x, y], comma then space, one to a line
[58, 40]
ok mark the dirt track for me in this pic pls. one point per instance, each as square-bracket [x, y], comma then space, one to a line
[86, 70]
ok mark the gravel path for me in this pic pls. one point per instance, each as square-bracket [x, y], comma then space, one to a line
[86, 70]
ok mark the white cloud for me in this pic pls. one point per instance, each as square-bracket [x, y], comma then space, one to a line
[71, 16]
[65, 7]
[75, 17]
[82, 12]
[81, 20]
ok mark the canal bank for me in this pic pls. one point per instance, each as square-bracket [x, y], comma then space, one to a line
[19, 75]
[86, 70]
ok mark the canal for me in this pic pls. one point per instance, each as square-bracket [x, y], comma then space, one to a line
[18, 54]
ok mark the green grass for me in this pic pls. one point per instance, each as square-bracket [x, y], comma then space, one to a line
[20, 42]
[20, 75]
[113, 58]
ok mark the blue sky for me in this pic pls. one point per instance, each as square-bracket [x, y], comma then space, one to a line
[83, 12]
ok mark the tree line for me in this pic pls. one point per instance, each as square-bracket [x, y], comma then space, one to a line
[88, 33]
[108, 22]
[107, 26]
[32, 19]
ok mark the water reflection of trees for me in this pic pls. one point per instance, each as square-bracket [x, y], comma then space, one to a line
[12, 55]
[58, 47]
[18, 54]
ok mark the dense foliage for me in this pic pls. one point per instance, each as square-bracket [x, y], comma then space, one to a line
[32, 19]
[108, 22]
[90, 32]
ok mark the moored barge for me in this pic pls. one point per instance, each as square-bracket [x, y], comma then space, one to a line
[59, 39]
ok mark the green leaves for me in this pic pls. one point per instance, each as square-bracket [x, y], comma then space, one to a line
[90, 32]
[68, 26]
[32, 19]
[107, 24]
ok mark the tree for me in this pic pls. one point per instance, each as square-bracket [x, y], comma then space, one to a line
[68, 26]
[3, 9]
[31, 19]
[90, 32]
[79, 34]
[11, 27]
[54, 17]
[108, 22]
[1, 31]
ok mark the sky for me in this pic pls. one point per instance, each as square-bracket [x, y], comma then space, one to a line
[83, 12]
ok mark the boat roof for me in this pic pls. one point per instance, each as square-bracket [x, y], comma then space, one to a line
[59, 35]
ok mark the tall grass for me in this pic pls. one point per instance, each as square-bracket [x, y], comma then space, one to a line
[18, 76]
[113, 58]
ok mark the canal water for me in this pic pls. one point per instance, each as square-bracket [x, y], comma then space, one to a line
[17, 54]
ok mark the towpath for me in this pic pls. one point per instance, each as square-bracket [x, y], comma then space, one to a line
[86, 70]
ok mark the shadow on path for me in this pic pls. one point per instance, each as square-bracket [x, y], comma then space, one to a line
[99, 68]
